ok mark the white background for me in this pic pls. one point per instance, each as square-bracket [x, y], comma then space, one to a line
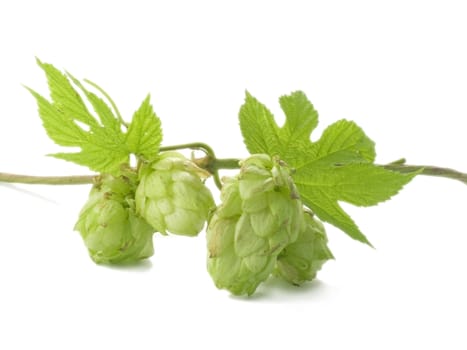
[397, 68]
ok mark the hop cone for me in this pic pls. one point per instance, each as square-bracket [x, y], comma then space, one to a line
[171, 195]
[260, 214]
[301, 260]
[111, 230]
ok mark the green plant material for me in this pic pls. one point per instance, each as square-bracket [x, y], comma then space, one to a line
[110, 229]
[104, 146]
[337, 167]
[260, 214]
[171, 195]
[266, 222]
[144, 133]
[301, 260]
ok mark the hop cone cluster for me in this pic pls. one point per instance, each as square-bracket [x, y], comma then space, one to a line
[301, 260]
[111, 230]
[171, 195]
[259, 216]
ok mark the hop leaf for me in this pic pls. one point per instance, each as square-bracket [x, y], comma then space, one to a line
[260, 214]
[111, 230]
[104, 147]
[144, 133]
[337, 167]
[171, 195]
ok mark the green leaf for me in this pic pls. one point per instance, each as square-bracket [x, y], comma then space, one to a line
[301, 118]
[65, 98]
[337, 167]
[361, 184]
[261, 133]
[358, 184]
[104, 112]
[62, 132]
[144, 133]
[344, 141]
[68, 122]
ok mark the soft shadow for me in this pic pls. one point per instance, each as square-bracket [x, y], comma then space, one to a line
[142, 265]
[278, 284]
[277, 290]
[27, 192]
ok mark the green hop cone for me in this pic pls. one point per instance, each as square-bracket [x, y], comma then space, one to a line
[111, 230]
[260, 214]
[171, 195]
[301, 260]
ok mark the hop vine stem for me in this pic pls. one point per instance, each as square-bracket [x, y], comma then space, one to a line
[213, 164]
[429, 171]
[47, 180]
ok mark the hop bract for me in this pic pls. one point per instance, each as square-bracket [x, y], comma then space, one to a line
[171, 195]
[111, 230]
[259, 216]
[301, 260]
